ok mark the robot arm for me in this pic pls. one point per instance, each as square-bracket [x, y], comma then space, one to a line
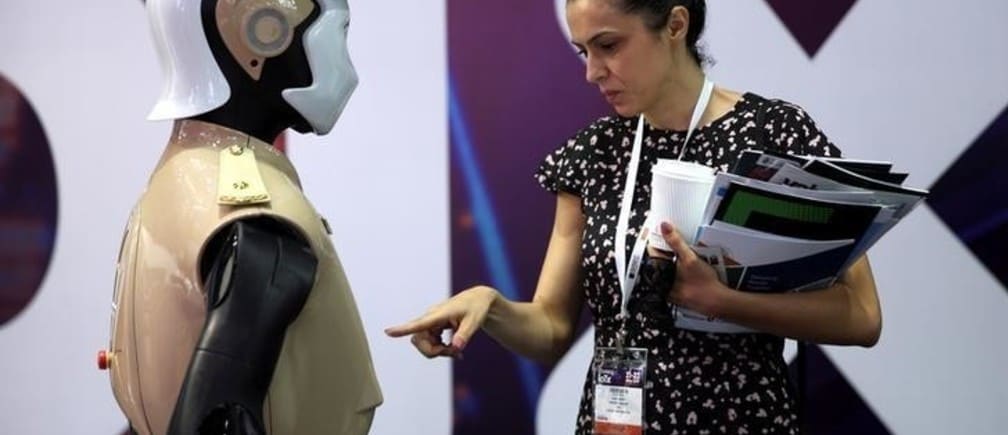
[258, 273]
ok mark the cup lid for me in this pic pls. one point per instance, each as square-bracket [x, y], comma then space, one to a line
[701, 173]
[681, 168]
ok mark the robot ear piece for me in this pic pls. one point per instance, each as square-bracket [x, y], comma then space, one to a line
[255, 30]
[266, 31]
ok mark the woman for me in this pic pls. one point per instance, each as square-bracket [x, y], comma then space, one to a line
[644, 58]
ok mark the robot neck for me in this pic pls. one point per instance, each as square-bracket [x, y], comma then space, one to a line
[263, 120]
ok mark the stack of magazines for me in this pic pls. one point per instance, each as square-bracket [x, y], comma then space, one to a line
[779, 223]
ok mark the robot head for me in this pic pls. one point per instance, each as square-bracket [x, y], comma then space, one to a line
[274, 52]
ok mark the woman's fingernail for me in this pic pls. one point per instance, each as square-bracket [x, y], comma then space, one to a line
[458, 343]
[666, 228]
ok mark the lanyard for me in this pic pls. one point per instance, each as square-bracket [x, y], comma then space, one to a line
[628, 278]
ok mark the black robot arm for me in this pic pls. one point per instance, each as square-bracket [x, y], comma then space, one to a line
[258, 273]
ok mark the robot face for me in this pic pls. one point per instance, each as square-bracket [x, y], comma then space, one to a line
[334, 76]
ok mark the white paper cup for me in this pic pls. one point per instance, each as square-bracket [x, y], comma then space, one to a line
[679, 194]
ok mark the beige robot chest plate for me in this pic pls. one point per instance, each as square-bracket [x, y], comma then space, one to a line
[324, 381]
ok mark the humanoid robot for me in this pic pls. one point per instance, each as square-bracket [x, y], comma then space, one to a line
[231, 313]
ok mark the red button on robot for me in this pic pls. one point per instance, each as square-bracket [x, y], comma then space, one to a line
[103, 360]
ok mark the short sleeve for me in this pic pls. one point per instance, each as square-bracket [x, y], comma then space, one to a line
[791, 130]
[564, 169]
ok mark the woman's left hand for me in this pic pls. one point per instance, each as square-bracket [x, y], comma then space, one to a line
[696, 285]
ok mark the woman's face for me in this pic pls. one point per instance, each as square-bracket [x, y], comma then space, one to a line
[627, 61]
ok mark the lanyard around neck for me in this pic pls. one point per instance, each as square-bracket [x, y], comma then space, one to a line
[627, 273]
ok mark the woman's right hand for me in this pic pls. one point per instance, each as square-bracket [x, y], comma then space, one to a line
[464, 313]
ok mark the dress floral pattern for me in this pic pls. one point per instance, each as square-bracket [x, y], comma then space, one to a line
[698, 383]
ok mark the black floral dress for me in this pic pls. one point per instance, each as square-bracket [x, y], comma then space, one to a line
[698, 383]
